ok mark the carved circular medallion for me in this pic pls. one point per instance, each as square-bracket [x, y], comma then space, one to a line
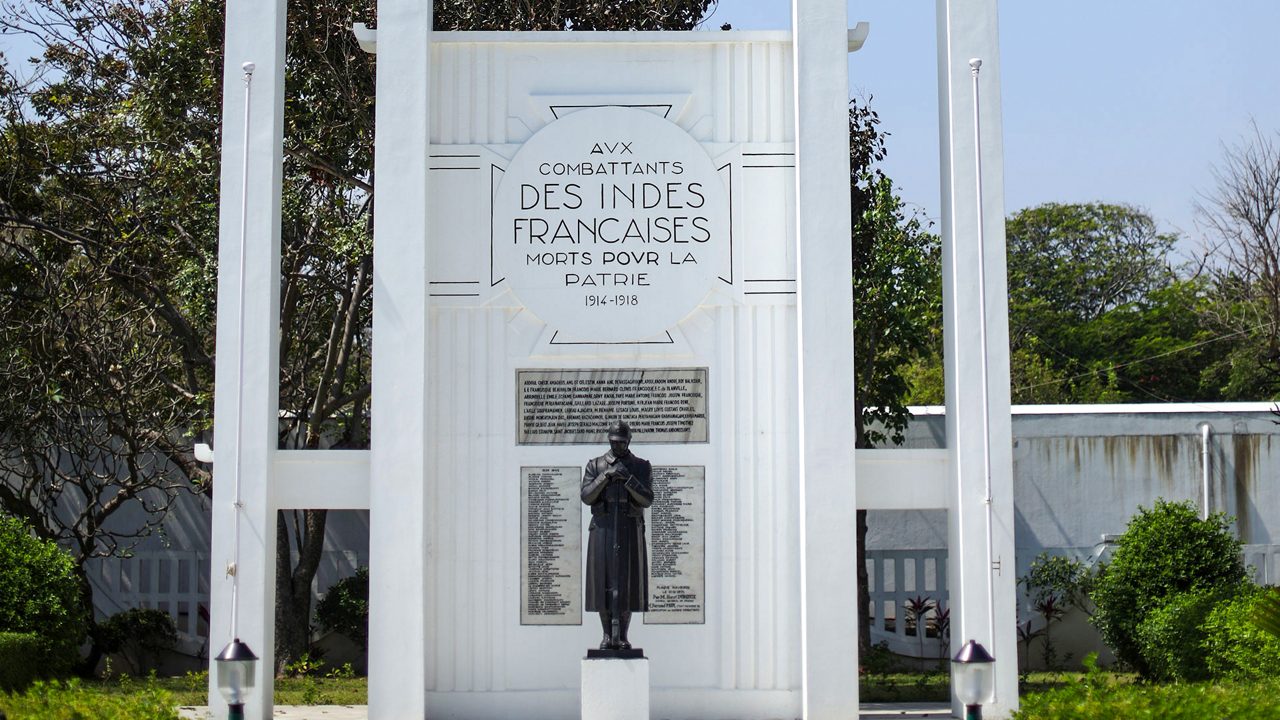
[611, 224]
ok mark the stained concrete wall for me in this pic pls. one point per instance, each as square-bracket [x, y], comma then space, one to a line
[1080, 473]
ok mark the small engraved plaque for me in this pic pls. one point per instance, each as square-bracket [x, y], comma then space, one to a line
[550, 546]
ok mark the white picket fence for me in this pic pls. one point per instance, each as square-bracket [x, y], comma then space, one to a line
[177, 582]
[896, 577]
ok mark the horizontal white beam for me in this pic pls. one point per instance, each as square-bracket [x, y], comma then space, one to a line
[902, 479]
[316, 479]
[896, 479]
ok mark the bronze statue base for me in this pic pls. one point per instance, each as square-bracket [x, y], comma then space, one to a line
[628, 654]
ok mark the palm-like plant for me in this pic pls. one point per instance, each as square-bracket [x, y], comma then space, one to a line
[917, 607]
[941, 624]
[1052, 610]
[1025, 635]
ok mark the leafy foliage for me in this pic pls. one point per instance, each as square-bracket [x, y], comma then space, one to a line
[17, 671]
[570, 14]
[1054, 585]
[108, 168]
[39, 594]
[74, 701]
[1057, 576]
[1234, 646]
[140, 635]
[345, 608]
[1266, 612]
[1172, 636]
[1076, 262]
[1165, 550]
[897, 286]
[1095, 312]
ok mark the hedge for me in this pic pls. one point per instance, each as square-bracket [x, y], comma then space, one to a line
[20, 655]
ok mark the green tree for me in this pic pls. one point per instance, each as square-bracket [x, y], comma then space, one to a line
[1097, 315]
[109, 161]
[897, 295]
[106, 239]
[1075, 262]
[1070, 265]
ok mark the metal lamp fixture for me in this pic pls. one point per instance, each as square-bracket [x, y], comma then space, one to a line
[236, 676]
[974, 676]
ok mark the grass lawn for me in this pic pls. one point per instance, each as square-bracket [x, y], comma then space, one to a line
[936, 686]
[192, 689]
[1045, 696]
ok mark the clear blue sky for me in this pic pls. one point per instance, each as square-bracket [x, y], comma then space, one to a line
[1114, 100]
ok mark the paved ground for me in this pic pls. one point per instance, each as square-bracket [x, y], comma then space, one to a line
[869, 711]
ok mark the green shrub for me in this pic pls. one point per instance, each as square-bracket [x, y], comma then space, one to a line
[345, 608]
[19, 653]
[1172, 636]
[1237, 648]
[72, 701]
[1164, 551]
[39, 594]
[140, 635]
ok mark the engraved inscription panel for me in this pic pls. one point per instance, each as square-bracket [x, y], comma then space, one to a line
[576, 407]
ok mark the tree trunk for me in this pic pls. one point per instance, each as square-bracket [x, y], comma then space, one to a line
[293, 583]
[864, 589]
[88, 666]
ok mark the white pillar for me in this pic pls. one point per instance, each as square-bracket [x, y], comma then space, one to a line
[967, 29]
[828, 577]
[255, 33]
[399, 488]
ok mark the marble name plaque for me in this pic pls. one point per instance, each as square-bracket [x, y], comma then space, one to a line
[677, 547]
[550, 546]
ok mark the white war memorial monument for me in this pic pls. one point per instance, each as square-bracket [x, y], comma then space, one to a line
[573, 228]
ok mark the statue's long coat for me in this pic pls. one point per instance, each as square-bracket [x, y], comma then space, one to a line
[628, 500]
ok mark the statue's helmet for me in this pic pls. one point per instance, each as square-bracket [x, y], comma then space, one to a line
[620, 430]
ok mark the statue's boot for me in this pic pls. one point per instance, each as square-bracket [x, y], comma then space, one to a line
[606, 622]
[624, 623]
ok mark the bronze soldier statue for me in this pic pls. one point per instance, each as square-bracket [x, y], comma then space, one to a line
[618, 486]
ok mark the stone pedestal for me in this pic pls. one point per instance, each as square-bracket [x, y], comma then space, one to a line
[615, 689]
